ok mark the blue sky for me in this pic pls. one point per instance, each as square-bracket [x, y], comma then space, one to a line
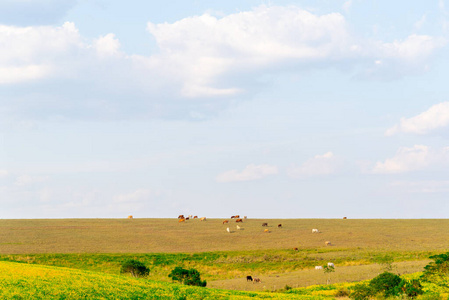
[293, 109]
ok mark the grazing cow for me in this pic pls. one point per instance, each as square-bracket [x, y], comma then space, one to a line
[228, 230]
[315, 230]
[195, 217]
[249, 278]
[181, 220]
[130, 217]
[203, 219]
[232, 217]
[344, 218]
[327, 243]
[279, 225]
[225, 222]
[296, 249]
[190, 216]
[239, 221]
[255, 279]
[238, 227]
[181, 217]
[330, 265]
[237, 216]
[187, 218]
[266, 230]
[318, 267]
[264, 224]
[245, 217]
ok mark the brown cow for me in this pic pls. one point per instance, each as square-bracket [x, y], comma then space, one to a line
[238, 220]
[225, 221]
[279, 225]
[181, 217]
[232, 217]
[296, 249]
[130, 217]
[327, 243]
[187, 218]
[344, 218]
[267, 230]
[237, 216]
[195, 217]
[256, 280]
[181, 220]
[264, 224]
[203, 219]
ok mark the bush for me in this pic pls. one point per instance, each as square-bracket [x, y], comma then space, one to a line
[411, 288]
[386, 284]
[135, 268]
[342, 293]
[361, 292]
[437, 272]
[188, 277]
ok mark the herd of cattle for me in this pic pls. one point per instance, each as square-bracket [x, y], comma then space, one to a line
[182, 218]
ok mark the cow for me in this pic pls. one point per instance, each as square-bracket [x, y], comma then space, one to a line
[203, 219]
[181, 220]
[266, 230]
[190, 216]
[238, 227]
[329, 264]
[315, 230]
[318, 267]
[228, 230]
[239, 221]
[232, 217]
[195, 217]
[279, 225]
[181, 217]
[327, 243]
[255, 279]
[344, 218]
[264, 224]
[187, 218]
[237, 216]
[130, 217]
[245, 217]
[249, 278]
[296, 249]
[225, 222]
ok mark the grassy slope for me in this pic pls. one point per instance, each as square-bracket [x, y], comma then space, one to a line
[22, 281]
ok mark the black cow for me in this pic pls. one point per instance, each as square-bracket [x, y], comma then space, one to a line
[249, 278]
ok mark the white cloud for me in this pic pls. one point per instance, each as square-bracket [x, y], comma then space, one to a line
[107, 45]
[435, 117]
[415, 158]
[23, 180]
[250, 172]
[3, 173]
[425, 186]
[319, 165]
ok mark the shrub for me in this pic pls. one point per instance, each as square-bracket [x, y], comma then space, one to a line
[188, 277]
[342, 293]
[411, 288]
[361, 292]
[135, 268]
[437, 272]
[386, 283]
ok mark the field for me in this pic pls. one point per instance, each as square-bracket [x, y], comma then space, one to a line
[359, 248]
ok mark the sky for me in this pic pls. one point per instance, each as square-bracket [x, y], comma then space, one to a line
[269, 109]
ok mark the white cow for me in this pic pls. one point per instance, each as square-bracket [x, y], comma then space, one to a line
[238, 227]
[331, 265]
[228, 230]
[315, 230]
[318, 267]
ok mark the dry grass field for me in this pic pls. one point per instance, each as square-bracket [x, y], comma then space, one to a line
[224, 259]
[169, 236]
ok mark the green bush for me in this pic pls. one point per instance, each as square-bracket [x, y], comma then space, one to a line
[386, 284]
[188, 277]
[135, 268]
[342, 293]
[437, 272]
[411, 288]
[361, 292]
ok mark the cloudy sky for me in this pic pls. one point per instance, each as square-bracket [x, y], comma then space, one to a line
[281, 108]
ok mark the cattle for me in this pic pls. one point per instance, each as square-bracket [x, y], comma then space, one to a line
[329, 264]
[237, 216]
[327, 243]
[279, 225]
[266, 230]
[190, 216]
[238, 227]
[245, 217]
[203, 219]
[296, 249]
[228, 230]
[249, 278]
[264, 224]
[315, 230]
[225, 222]
[344, 218]
[187, 218]
[255, 279]
[238, 220]
[181, 220]
[195, 217]
[232, 217]
[130, 217]
[318, 267]
[181, 217]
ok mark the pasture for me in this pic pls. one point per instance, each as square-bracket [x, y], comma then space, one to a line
[224, 259]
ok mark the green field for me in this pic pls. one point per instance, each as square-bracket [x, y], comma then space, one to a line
[224, 259]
